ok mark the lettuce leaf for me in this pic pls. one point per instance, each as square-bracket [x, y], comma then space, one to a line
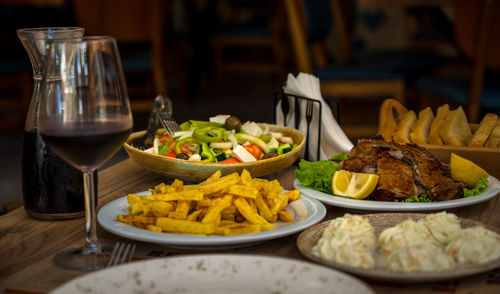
[416, 198]
[317, 175]
[478, 188]
[339, 156]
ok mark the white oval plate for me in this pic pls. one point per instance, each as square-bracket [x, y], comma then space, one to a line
[372, 205]
[219, 273]
[381, 221]
[305, 213]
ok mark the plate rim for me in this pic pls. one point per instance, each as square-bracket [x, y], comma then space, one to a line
[380, 274]
[216, 256]
[189, 241]
[371, 205]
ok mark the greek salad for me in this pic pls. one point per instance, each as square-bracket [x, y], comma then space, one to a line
[222, 139]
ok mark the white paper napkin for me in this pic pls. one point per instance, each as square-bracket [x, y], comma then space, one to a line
[333, 138]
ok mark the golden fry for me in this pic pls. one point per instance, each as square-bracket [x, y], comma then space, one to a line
[245, 210]
[264, 210]
[292, 195]
[138, 207]
[153, 228]
[195, 194]
[246, 178]
[182, 209]
[242, 190]
[177, 185]
[192, 217]
[184, 226]
[132, 198]
[274, 218]
[125, 218]
[252, 205]
[237, 229]
[203, 203]
[220, 184]
[214, 177]
[284, 216]
[160, 208]
[214, 212]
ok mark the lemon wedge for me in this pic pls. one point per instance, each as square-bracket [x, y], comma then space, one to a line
[466, 171]
[353, 185]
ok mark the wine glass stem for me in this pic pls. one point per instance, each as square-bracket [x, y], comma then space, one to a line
[91, 243]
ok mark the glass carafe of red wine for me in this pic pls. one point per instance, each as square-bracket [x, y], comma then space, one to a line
[52, 188]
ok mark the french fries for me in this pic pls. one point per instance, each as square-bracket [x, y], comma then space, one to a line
[221, 205]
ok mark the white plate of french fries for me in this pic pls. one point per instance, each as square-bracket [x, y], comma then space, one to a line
[217, 273]
[373, 205]
[223, 211]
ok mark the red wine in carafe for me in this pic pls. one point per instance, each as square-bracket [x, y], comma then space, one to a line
[52, 188]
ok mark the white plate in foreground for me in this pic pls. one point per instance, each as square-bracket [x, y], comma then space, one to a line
[305, 213]
[372, 205]
[202, 274]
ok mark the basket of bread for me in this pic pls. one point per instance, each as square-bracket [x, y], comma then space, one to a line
[443, 131]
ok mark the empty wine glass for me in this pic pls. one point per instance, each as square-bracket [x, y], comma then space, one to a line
[85, 118]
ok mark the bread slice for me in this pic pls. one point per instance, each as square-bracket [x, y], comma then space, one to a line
[455, 129]
[420, 130]
[485, 127]
[441, 113]
[402, 132]
[494, 138]
[391, 113]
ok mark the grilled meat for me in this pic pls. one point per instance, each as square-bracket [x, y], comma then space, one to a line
[395, 176]
[404, 170]
[362, 158]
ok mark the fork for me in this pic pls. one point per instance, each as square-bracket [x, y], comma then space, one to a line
[166, 119]
[309, 115]
[121, 254]
[160, 115]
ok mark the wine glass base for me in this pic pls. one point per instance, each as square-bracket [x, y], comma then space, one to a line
[74, 259]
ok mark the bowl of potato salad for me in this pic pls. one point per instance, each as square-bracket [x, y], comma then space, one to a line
[404, 246]
[222, 143]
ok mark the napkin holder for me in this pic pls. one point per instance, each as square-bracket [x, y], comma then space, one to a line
[296, 99]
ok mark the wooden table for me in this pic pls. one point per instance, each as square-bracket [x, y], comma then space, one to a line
[28, 245]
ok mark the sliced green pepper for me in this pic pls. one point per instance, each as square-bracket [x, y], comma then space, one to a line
[185, 126]
[206, 154]
[265, 138]
[209, 134]
[242, 138]
[184, 141]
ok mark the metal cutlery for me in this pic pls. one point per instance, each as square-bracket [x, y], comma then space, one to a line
[161, 116]
[122, 253]
[309, 115]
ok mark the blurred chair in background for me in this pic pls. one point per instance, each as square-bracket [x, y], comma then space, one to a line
[428, 26]
[477, 31]
[249, 38]
[139, 27]
[379, 74]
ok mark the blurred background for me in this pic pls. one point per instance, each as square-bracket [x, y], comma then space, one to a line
[232, 56]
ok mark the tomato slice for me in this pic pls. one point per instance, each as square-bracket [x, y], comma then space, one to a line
[170, 154]
[171, 146]
[255, 150]
[165, 138]
[230, 160]
[185, 149]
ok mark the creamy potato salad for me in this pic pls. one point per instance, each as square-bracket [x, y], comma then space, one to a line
[348, 240]
[434, 243]
[474, 245]
[411, 247]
